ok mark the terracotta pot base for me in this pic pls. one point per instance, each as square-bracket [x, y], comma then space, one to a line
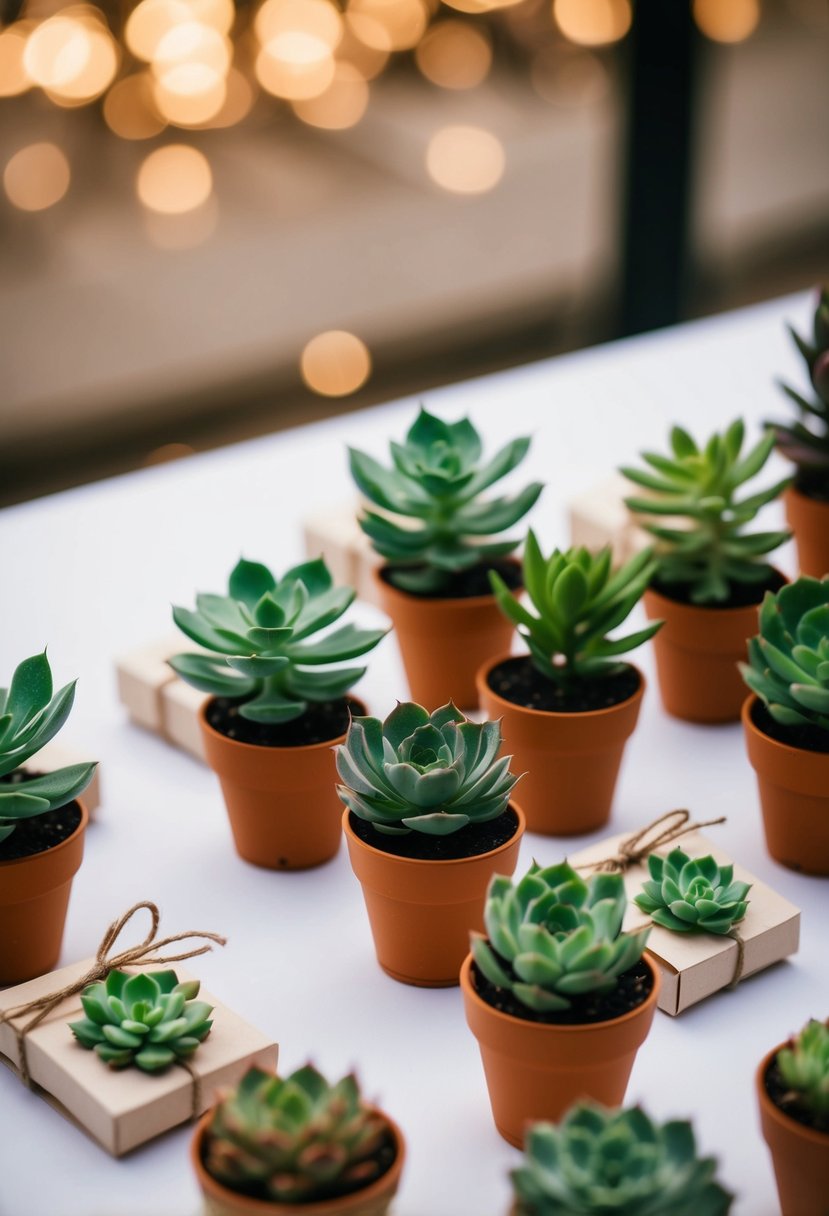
[808, 518]
[800, 1154]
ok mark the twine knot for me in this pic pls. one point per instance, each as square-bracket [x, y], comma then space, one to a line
[635, 848]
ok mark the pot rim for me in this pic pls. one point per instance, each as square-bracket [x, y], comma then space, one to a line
[769, 742]
[33, 857]
[441, 861]
[474, 601]
[773, 1111]
[588, 715]
[793, 491]
[468, 988]
[710, 608]
[259, 748]
[264, 1207]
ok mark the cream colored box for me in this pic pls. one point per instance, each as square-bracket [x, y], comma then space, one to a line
[180, 705]
[333, 533]
[122, 1109]
[142, 674]
[599, 517]
[696, 965]
[55, 755]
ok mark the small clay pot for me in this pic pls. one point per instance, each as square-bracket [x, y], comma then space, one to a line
[536, 1071]
[34, 897]
[794, 796]
[282, 803]
[422, 912]
[808, 518]
[800, 1154]
[373, 1200]
[697, 651]
[570, 761]
[443, 642]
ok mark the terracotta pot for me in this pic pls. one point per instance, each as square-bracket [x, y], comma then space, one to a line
[808, 518]
[570, 761]
[697, 651]
[800, 1154]
[34, 897]
[372, 1200]
[283, 807]
[422, 912]
[537, 1072]
[444, 642]
[794, 796]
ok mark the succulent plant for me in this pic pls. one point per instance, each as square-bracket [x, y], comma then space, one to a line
[804, 1067]
[555, 936]
[578, 600]
[29, 717]
[788, 661]
[806, 442]
[692, 895]
[599, 1162]
[148, 1020]
[700, 486]
[295, 1139]
[435, 485]
[263, 635]
[416, 771]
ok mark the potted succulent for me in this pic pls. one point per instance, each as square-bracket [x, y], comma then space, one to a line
[569, 706]
[711, 573]
[429, 820]
[558, 997]
[277, 705]
[433, 530]
[276, 1147]
[793, 1092]
[597, 1162]
[42, 823]
[786, 722]
[806, 443]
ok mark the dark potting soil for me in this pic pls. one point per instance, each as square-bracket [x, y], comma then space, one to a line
[464, 584]
[41, 832]
[519, 681]
[321, 724]
[741, 595]
[632, 989]
[809, 738]
[814, 483]
[471, 841]
[780, 1094]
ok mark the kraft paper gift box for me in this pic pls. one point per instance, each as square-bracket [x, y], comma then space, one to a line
[696, 965]
[123, 1109]
[599, 517]
[55, 755]
[157, 699]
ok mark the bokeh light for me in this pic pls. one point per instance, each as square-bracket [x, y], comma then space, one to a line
[569, 77]
[388, 25]
[335, 363]
[72, 56]
[727, 20]
[465, 160]
[454, 55]
[342, 105]
[595, 22]
[174, 179]
[37, 177]
[14, 78]
[295, 67]
[150, 22]
[129, 110]
[368, 60]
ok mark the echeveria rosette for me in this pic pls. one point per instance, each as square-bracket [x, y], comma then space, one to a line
[692, 895]
[148, 1020]
[599, 1162]
[30, 715]
[435, 484]
[806, 441]
[701, 485]
[788, 661]
[294, 1140]
[265, 643]
[555, 936]
[804, 1067]
[578, 600]
[420, 772]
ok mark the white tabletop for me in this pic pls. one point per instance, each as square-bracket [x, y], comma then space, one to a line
[92, 572]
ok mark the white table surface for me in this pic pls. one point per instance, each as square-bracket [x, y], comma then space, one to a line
[92, 572]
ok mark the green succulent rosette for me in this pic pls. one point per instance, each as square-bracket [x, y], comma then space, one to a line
[692, 895]
[804, 1067]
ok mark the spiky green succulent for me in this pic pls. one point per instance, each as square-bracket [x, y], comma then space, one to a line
[30, 715]
[788, 661]
[294, 1140]
[265, 643]
[599, 1162]
[806, 441]
[555, 936]
[435, 484]
[578, 600]
[416, 771]
[700, 486]
[804, 1067]
[148, 1020]
[692, 895]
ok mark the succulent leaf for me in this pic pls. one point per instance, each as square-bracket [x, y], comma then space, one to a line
[806, 441]
[804, 1066]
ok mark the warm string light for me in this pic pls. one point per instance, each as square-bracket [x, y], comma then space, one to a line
[335, 363]
[36, 177]
[465, 160]
[726, 20]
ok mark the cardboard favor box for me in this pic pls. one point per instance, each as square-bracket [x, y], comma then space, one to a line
[122, 1109]
[599, 517]
[696, 965]
[157, 699]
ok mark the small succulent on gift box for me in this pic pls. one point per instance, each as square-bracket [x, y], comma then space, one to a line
[436, 484]
[421, 772]
[804, 1070]
[599, 1162]
[692, 895]
[806, 441]
[148, 1020]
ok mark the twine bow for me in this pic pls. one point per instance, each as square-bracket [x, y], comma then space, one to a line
[140, 955]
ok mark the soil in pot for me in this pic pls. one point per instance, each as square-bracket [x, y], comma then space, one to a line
[799, 1150]
[518, 680]
[632, 990]
[322, 723]
[472, 841]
